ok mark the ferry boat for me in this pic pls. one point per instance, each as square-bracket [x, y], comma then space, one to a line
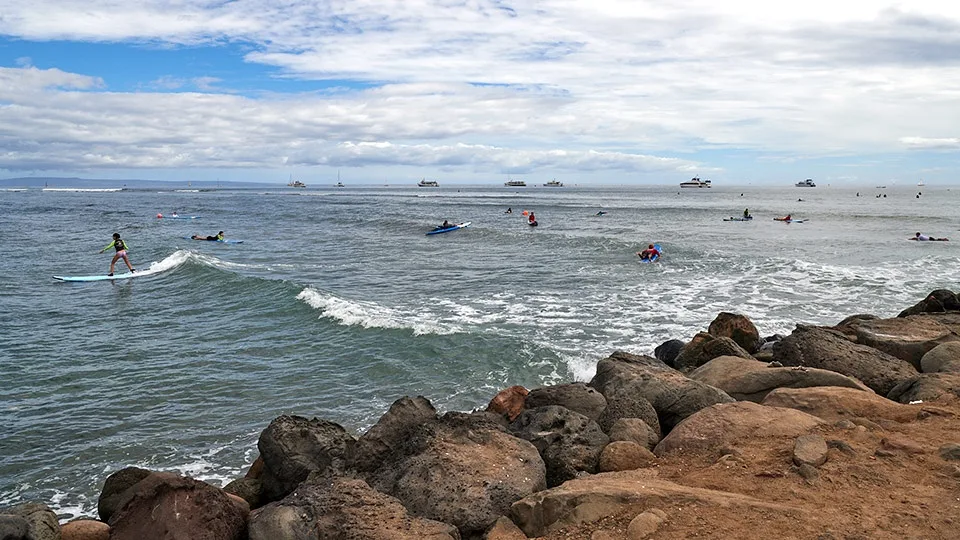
[806, 183]
[553, 183]
[428, 183]
[295, 183]
[695, 182]
[515, 183]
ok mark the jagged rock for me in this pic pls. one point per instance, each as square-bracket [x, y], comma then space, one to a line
[668, 351]
[342, 508]
[172, 507]
[824, 349]
[833, 403]
[114, 488]
[461, 469]
[625, 456]
[673, 395]
[725, 424]
[926, 387]
[810, 450]
[627, 401]
[597, 496]
[634, 430]
[737, 327]
[578, 397]
[704, 348]
[944, 358]
[509, 402]
[568, 441]
[84, 529]
[939, 300]
[750, 380]
[293, 446]
[391, 431]
[907, 338]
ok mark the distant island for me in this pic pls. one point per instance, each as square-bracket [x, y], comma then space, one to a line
[129, 183]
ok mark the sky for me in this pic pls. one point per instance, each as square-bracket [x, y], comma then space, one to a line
[481, 91]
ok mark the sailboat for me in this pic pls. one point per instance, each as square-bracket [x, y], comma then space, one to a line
[920, 183]
[339, 183]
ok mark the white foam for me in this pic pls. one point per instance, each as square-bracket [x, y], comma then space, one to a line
[373, 315]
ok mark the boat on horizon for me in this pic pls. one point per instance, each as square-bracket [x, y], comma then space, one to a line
[695, 182]
[515, 183]
[806, 183]
[553, 183]
[295, 183]
[920, 183]
[428, 183]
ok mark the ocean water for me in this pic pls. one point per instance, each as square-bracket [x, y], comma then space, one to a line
[337, 304]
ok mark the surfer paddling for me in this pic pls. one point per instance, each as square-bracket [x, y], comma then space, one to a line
[217, 238]
[121, 248]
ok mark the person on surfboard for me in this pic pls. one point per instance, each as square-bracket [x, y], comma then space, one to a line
[648, 253]
[218, 237]
[925, 238]
[121, 248]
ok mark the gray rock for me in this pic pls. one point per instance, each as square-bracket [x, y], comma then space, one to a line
[704, 348]
[13, 527]
[938, 301]
[634, 430]
[944, 358]
[568, 441]
[578, 397]
[627, 401]
[926, 387]
[41, 522]
[668, 351]
[950, 452]
[391, 432]
[810, 450]
[248, 489]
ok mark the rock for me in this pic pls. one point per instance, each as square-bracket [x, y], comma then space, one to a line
[248, 489]
[393, 429]
[634, 430]
[568, 441]
[504, 529]
[172, 507]
[907, 338]
[926, 387]
[944, 358]
[40, 522]
[950, 452]
[461, 469]
[644, 525]
[726, 424]
[673, 395]
[114, 488]
[625, 456]
[256, 469]
[810, 450]
[815, 347]
[578, 397]
[84, 529]
[668, 351]
[704, 348]
[898, 444]
[833, 404]
[737, 327]
[597, 496]
[808, 472]
[939, 300]
[292, 447]
[627, 401]
[340, 507]
[509, 402]
[750, 380]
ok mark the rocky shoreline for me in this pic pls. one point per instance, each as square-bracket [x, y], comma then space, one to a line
[849, 431]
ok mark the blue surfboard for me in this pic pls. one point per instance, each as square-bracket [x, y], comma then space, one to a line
[224, 241]
[450, 229]
[655, 258]
[103, 277]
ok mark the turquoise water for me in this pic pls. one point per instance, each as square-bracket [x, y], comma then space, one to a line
[337, 304]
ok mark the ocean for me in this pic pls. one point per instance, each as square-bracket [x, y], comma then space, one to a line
[336, 304]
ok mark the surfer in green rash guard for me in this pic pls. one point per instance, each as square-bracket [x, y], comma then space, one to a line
[217, 238]
[121, 248]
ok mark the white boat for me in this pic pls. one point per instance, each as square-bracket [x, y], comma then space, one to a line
[695, 182]
[295, 183]
[806, 183]
[339, 184]
[428, 183]
[515, 183]
[553, 183]
[920, 183]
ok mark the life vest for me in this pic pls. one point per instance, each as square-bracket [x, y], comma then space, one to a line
[119, 245]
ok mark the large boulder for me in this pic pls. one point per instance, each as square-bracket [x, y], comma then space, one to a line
[833, 403]
[462, 469]
[84, 529]
[704, 348]
[907, 338]
[391, 431]
[944, 358]
[737, 327]
[634, 430]
[750, 380]
[568, 441]
[29, 521]
[926, 387]
[171, 507]
[342, 508]
[726, 424]
[115, 486]
[293, 446]
[668, 351]
[938, 301]
[673, 395]
[813, 347]
[627, 401]
[578, 397]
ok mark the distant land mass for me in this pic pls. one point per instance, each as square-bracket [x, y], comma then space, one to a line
[131, 183]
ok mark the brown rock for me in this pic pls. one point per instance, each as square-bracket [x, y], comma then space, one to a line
[256, 468]
[942, 358]
[737, 327]
[833, 404]
[907, 338]
[644, 525]
[895, 443]
[705, 347]
[85, 529]
[504, 529]
[810, 450]
[509, 402]
[625, 456]
[634, 430]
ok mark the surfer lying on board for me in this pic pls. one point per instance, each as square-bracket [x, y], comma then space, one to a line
[121, 248]
[445, 225]
[218, 237]
[925, 238]
[648, 253]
